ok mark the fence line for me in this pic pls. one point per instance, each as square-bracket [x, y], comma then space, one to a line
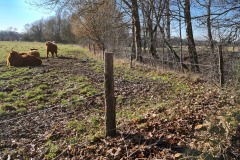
[204, 65]
[128, 56]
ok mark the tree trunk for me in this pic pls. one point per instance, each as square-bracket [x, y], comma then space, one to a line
[221, 69]
[209, 28]
[168, 20]
[144, 29]
[180, 33]
[137, 29]
[169, 46]
[133, 47]
[169, 59]
[152, 49]
[191, 44]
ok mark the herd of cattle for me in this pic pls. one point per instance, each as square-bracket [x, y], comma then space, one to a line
[32, 58]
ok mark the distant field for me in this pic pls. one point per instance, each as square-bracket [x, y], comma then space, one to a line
[6, 46]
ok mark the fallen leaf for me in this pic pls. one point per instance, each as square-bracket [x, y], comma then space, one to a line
[199, 126]
[177, 155]
[141, 155]
[135, 120]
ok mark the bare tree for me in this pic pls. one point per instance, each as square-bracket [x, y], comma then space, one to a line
[133, 6]
[221, 17]
[36, 29]
[158, 17]
[100, 23]
[66, 34]
[226, 20]
[191, 43]
[209, 26]
[148, 8]
[180, 32]
[168, 25]
[51, 32]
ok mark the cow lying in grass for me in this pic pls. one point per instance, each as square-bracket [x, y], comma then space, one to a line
[17, 60]
[51, 47]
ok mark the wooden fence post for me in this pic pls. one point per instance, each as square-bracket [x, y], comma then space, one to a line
[131, 59]
[94, 49]
[89, 47]
[221, 67]
[110, 102]
[103, 51]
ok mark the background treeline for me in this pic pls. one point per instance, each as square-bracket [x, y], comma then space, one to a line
[55, 28]
[10, 34]
[142, 25]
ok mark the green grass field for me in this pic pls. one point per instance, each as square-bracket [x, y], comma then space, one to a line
[61, 103]
[6, 46]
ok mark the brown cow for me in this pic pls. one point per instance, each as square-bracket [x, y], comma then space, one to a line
[34, 53]
[51, 47]
[17, 60]
[22, 53]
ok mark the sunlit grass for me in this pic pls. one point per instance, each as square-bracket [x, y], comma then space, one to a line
[6, 46]
[11, 72]
[53, 149]
[70, 90]
[63, 49]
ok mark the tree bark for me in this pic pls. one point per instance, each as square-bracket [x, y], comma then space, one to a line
[137, 29]
[133, 46]
[151, 32]
[191, 44]
[221, 69]
[170, 47]
[180, 34]
[168, 20]
[209, 26]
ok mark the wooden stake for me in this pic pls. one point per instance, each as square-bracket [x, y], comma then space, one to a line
[110, 111]
[221, 67]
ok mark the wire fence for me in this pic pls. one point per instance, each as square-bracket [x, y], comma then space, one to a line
[208, 64]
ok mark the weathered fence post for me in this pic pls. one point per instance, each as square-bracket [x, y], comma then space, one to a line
[94, 49]
[221, 67]
[110, 102]
[131, 59]
[89, 47]
[103, 51]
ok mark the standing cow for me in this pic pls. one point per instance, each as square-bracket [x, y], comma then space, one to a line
[51, 47]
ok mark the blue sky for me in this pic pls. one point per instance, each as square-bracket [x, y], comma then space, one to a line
[17, 13]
